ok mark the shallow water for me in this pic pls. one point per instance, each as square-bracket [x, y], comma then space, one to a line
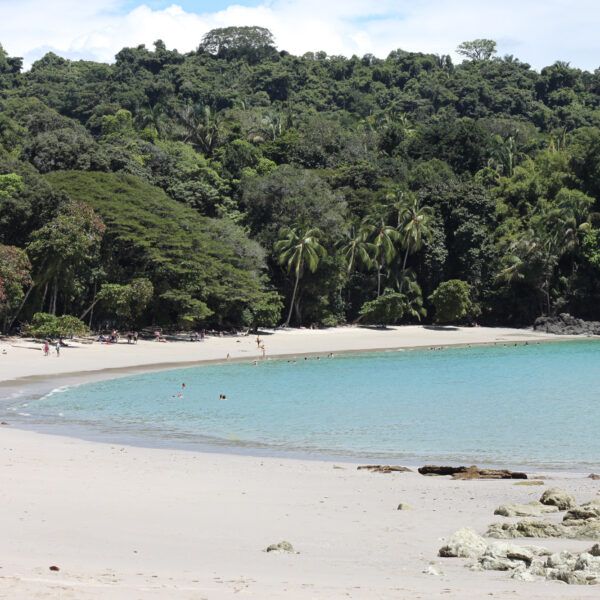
[527, 405]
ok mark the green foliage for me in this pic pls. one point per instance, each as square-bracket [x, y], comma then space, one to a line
[15, 276]
[197, 266]
[127, 301]
[479, 49]
[415, 170]
[451, 300]
[267, 311]
[231, 42]
[388, 308]
[45, 325]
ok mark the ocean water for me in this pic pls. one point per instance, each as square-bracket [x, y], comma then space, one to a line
[535, 405]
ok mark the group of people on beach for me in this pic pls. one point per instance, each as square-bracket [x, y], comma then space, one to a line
[115, 336]
[46, 349]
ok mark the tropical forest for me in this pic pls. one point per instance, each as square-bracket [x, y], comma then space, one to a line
[239, 186]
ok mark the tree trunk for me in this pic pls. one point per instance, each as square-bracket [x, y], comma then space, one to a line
[378, 280]
[44, 297]
[287, 322]
[89, 308]
[21, 306]
[54, 295]
[403, 268]
[92, 309]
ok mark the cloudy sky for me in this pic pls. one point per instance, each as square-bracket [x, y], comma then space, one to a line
[535, 31]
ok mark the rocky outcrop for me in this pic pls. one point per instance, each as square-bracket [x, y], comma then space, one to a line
[465, 543]
[532, 528]
[527, 563]
[471, 472]
[533, 509]
[565, 324]
[559, 498]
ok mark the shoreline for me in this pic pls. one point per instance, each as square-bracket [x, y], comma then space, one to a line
[33, 387]
[492, 336]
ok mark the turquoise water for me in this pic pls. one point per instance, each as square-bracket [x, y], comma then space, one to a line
[526, 405]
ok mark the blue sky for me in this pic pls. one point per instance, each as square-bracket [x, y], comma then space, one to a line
[539, 32]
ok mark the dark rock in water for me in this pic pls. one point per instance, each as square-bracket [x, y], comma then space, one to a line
[565, 324]
[471, 472]
[436, 470]
[4, 423]
[385, 468]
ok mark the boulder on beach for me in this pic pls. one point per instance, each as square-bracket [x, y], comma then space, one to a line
[533, 509]
[559, 498]
[404, 506]
[282, 547]
[465, 543]
[504, 556]
[578, 514]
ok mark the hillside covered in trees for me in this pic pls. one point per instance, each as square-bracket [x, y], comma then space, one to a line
[239, 185]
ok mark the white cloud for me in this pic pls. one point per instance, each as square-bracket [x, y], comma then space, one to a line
[536, 31]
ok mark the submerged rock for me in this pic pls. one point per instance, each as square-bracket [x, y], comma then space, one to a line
[533, 509]
[559, 498]
[465, 543]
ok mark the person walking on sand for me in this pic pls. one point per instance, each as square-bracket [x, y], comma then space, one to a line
[57, 349]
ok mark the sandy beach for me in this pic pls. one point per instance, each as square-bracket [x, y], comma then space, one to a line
[138, 523]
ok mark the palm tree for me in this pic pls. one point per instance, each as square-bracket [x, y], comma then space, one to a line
[151, 116]
[356, 249]
[202, 127]
[296, 251]
[414, 224]
[383, 238]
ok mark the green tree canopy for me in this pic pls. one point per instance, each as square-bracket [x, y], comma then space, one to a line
[451, 300]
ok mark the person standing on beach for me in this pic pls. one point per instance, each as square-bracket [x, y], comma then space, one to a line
[57, 349]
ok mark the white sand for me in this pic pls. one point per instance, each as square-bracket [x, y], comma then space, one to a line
[137, 523]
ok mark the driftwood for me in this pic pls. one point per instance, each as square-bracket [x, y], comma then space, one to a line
[471, 472]
[385, 468]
